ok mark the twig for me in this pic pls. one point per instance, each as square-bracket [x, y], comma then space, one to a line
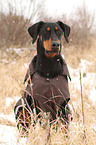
[84, 135]
[82, 99]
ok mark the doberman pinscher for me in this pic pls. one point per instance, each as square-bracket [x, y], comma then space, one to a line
[47, 76]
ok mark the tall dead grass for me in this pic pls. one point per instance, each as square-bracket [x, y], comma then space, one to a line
[13, 68]
[11, 84]
[73, 55]
[12, 71]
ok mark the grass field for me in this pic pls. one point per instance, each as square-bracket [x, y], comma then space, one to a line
[82, 130]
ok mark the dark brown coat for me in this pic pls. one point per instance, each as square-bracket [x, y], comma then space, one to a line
[48, 93]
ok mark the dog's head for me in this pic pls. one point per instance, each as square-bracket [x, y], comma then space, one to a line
[50, 35]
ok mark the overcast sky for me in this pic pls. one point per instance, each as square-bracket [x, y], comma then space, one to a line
[56, 7]
[59, 6]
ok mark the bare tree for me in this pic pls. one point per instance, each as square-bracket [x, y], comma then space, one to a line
[82, 26]
[15, 22]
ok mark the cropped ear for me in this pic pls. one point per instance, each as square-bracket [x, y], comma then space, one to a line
[34, 30]
[66, 30]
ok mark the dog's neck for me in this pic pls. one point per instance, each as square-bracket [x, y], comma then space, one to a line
[47, 67]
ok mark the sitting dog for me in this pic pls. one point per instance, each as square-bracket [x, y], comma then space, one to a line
[47, 77]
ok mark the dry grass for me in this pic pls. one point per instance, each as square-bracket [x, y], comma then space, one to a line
[11, 85]
[12, 72]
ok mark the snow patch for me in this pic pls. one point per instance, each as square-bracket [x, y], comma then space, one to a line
[5, 61]
[7, 135]
[92, 95]
[10, 117]
[11, 100]
[84, 64]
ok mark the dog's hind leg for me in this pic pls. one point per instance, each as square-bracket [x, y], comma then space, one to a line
[23, 121]
[23, 115]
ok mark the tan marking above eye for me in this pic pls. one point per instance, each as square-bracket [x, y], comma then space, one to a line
[41, 37]
[48, 29]
[56, 28]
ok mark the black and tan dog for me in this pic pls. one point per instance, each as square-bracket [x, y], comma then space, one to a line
[47, 76]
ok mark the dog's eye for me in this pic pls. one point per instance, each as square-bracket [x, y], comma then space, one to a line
[46, 32]
[58, 32]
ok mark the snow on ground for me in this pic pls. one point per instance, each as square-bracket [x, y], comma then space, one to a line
[18, 51]
[87, 79]
[92, 95]
[9, 134]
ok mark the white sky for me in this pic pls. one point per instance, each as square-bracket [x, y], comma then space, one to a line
[56, 7]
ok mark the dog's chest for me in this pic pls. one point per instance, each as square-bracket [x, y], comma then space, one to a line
[49, 92]
[48, 68]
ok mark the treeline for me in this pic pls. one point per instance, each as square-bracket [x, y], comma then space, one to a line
[14, 25]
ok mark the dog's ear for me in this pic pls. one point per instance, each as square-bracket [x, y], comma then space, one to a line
[65, 28]
[34, 30]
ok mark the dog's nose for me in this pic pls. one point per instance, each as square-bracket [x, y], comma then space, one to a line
[55, 44]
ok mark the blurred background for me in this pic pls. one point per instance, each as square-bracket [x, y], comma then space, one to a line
[17, 15]
[16, 52]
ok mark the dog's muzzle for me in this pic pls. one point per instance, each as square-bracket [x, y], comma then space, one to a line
[55, 48]
[55, 45]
